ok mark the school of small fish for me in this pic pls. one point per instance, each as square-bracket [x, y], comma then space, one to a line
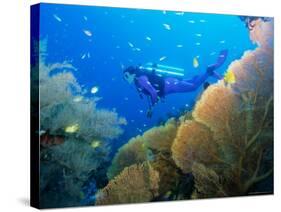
[88, 55]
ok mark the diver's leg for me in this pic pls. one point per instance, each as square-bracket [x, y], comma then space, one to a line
[173, 85]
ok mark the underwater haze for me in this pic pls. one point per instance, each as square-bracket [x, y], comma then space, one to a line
[148, 105]
[101, 55]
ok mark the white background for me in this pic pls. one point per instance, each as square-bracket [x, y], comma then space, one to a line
[14, 108]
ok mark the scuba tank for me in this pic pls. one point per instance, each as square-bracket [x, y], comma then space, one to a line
[163, 70]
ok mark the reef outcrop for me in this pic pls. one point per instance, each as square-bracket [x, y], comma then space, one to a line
[141, 148]
[136, 183]
[238, 145]
[131, 153]
[69, 123]
[226, 144]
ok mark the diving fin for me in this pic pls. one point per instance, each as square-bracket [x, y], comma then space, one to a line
[222, 57]
[206, 85]
[220, 61]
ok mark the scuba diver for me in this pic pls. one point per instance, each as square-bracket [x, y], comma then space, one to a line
[155, 81]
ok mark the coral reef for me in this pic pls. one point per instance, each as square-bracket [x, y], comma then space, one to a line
[207, 182]
[137, 150]
[193, 140]
[154, 148]
[224, 146]
[131, 153]
[78, 157]
[263, 33]
[61, 107]
[215, 108]
[58, 108]
[236, 152]
[74, 162]
[169, 175]
[70, 126]
[137, 183]
[161, 138]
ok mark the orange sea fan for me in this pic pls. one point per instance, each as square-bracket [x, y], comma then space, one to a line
[215, 109]
[207, 182]
[137, 183]
[131, 153]
[263, 33]
[193, 143]
[254, 74]
[168, 173]
[137, 150]
[161, 138]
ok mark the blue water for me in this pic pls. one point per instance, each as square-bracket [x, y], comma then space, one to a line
[113, 28]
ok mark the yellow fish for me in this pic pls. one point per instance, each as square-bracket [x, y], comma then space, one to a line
[72, 128]
[195, 62]
[95, 144]
[229, 77]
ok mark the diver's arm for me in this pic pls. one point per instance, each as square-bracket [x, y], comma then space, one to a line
[144, 83]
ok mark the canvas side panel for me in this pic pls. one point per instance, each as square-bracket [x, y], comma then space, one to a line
[34, 104]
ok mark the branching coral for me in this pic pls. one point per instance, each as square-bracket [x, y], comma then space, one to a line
[131, 153]
[78, 157]
[67, 167]
[137, 183]
[66, 113]
[59, 109]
